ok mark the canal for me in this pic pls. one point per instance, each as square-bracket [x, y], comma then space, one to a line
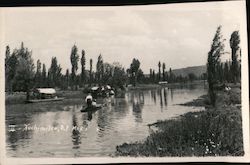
[60, 130]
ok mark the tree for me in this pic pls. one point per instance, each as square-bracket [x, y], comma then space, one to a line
[23, 80]
[163, 72]
[44, 77]
[99, 69]
[55, 73]
[153, 75]
[119, 76]
[108, 73]
[38, 75]
[170, 75]
[10, 68]
[226, 73]
[74, 58]
[134, 67]
[159, 73]
[234, 44]
[213, 61]
[67, 78]
[191, 77]
[140, 76]
[83, 61]
[150, 75]
[90, 71]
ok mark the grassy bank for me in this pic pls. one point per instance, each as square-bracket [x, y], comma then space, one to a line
[217, 131]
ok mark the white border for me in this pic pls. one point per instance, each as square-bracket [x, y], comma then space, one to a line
[245, 103]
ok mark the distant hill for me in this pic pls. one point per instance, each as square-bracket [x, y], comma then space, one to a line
[197, 70]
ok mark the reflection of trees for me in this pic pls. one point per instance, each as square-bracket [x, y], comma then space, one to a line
[76, 139]
[160, 93]
[165, 97]
[172, 94]
[107, 115]
[153, 95]
[18, 116]
[137, 101]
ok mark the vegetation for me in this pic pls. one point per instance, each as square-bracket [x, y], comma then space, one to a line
[217, 131]
[218, 72]
[21, 74]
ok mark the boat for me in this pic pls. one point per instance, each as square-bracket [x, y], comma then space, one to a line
[92, 108]
[44, 95]
[44, 100]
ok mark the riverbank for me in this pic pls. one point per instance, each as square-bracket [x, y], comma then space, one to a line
[20, 97]
[169, 85]
[217, 131]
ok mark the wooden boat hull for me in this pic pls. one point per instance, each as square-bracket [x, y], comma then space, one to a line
[91, 109]
[44, 100]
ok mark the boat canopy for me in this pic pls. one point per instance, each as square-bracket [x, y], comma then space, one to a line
[46, 90]
[94, 88]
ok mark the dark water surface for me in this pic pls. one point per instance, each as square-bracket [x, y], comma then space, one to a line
[59, 129]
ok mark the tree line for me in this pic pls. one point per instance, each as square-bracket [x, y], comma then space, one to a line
[223, 72]
[22, 75]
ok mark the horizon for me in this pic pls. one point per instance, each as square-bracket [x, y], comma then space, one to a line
[148, 33]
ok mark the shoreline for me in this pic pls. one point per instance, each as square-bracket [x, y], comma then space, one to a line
[217, 131]
[20, 97]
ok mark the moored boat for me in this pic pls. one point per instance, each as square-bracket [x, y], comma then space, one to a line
[44, 95]
[44, 100]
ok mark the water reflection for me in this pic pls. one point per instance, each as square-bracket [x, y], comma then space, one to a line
[165, 96]
[137, 101]
[76, 139]
[92, 134]
[153, 95]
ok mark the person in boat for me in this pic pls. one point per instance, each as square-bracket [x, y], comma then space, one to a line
[90, 101]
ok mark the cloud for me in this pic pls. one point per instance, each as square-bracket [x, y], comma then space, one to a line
[179, 35]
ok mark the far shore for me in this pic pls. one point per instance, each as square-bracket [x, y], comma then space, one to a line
[20, 97]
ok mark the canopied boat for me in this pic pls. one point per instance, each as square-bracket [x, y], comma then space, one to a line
[44, 95]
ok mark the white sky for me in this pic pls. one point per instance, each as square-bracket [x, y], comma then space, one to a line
[178, 34]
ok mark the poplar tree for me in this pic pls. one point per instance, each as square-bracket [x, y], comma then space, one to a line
[83, 61]
[213, 61]
[74, 58]
[234, 44]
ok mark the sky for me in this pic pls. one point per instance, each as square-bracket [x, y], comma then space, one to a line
[180, 35]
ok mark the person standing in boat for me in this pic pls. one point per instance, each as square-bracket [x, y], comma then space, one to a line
[90, 101]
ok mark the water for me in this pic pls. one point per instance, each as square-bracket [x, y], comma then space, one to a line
[59, 129]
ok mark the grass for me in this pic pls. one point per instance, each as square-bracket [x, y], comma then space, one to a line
[217, 131]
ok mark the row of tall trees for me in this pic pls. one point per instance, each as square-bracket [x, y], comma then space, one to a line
[21, 73]
[162, 74]
[223, 72]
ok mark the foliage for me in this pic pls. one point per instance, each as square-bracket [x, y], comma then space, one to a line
[159, 72]
[133, 70]
[38, 75]
[213, 62]
[163, 72]
[24, 70]
[74, 58]
[83, 61]
[54, 74]
[90, 71]
[234, 44]
[214, 132]
[99, 69]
